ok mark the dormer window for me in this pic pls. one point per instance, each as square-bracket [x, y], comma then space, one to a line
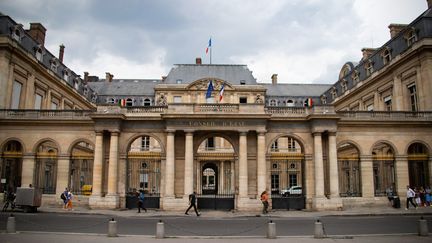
[290, 103]
[334, 93]
[344, 85]
[272, 102]
[54, 64]
[324, 99]
[386, 55]
[111, 101]
[369, 67]
[76, 83]
[147, 102]
[179, 81]
[242, 82]
[129, 102]
[17, 32]
[355, 77]
[39, 52]
[66, 73]
[411, 36]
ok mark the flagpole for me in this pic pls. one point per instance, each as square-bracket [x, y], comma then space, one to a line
[210, 54]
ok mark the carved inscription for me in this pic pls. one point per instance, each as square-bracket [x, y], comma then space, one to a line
[216, 124]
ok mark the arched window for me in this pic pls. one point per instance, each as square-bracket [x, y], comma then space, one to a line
[411, 36]
[129, 102]
[386, 55]
[349, 170]
[46, 167]
[290, 103]
[81, 168]
[369, 67]
[147, 102]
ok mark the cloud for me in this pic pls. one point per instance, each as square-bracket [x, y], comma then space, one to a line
[304, 41]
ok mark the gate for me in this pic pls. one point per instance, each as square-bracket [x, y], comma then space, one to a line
[296, 202]
[216, 201]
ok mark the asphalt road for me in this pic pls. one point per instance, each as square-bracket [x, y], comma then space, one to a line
[207, 226]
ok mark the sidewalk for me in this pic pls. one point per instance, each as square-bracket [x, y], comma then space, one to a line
[358, 211]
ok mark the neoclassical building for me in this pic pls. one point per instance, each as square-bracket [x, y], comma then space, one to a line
[216, 130]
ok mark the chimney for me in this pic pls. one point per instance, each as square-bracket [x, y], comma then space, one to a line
[396, 28]
[108, 77]
[367, 52]
[274, 79]
[86, 77]
[37, 32]
[198, 61]
[61, 53]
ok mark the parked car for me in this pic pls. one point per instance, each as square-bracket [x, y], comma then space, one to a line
[294, 190]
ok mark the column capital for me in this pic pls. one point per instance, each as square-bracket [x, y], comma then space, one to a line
[316, 134]
[99, 132]
[243, 132]
[261, 132]
[332, 133]
[115, 133]
[170, 131]
[189, 131]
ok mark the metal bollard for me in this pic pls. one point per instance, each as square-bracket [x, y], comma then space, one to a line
[271, 230]
[319, 230]
[11, 225]
[160, 230]
[423, 227]
[112, 228]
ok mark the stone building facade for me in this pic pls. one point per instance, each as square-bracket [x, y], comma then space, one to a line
[339, 145]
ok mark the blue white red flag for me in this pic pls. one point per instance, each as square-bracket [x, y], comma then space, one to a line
[209, 46]
[209, 90]
[222, 89]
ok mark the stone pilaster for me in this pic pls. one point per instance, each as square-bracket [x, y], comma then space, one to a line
[188, 170]
[63, 165]
[27, 173]
[402, 175]
[97, 165]
[169, 168]
[334, 172]
[366, 167]
[261, 164]
[113, 164]
[319, 165]
[243, 169]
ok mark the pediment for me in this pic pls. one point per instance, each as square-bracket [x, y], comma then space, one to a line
[202, 84]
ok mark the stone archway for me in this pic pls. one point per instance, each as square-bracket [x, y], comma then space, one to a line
[418, 168]
[11, 166]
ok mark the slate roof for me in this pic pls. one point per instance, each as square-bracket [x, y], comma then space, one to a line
[293, 90]
[189, 73]
[122, 87]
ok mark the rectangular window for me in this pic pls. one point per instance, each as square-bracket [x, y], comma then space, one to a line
[145, 143]
[388, 103]
[292, 180]
[275, 184]
[243, 100]
[54, 104]
[370, 107]
[38, 102]
[16, 95]
[177, 99]
[413, 97]
[210, 144]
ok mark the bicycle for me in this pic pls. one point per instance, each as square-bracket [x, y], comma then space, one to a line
[10, 200]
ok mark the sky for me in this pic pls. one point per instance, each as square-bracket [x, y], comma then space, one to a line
[303, 41]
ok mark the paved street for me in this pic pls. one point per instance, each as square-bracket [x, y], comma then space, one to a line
[377, 224]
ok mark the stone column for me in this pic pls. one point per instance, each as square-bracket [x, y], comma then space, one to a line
[261, 164]
[97, 165]
[402, 175]
[188, 170]
[366, 167]
[221, 187]
[63, 164]
[243, 168]
[27, 173]
[113, 164]
[319, 165]
[169, 176]
[397, 99]
[333, 164]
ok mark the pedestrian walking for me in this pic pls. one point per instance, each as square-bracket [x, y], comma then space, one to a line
[410, 197]
[390, 194]
[63, 197]
[264, 200]
[192, 203]
[141, 197]
[69, 198]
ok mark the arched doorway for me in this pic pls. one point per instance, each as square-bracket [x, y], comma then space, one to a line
[418, 158]
[81, 168]
[215, 173]
[11, 166]
[144, 171]
[287, 173]
[383, 168]
[46, 167]
[349, 170]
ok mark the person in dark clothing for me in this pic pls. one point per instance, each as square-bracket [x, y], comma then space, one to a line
[141, 197]
[192, 203]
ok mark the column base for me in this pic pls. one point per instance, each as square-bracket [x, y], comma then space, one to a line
[323, 203]
[107, 202]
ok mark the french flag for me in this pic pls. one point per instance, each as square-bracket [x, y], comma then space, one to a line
[209, 46]
[222, 89]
